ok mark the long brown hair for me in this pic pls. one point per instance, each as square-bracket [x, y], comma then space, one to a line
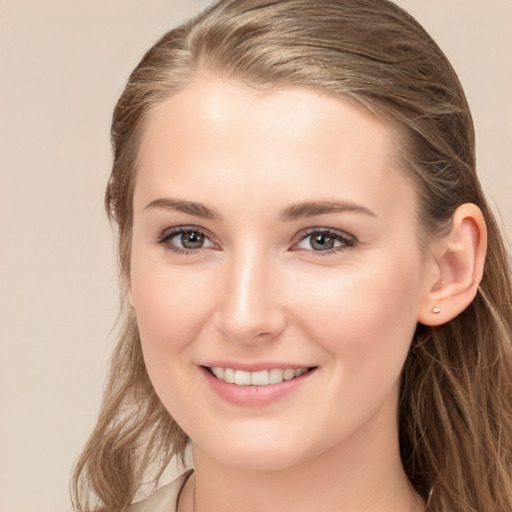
[455, 413]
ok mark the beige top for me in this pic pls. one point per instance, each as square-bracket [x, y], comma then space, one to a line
[164, 499]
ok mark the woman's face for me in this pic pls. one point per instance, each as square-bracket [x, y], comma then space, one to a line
[273, 235]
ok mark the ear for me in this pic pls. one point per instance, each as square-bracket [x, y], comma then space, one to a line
[457, 267]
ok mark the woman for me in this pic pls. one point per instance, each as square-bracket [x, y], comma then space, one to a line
[318, 294]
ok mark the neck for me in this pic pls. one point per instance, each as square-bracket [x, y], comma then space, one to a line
[361, 474]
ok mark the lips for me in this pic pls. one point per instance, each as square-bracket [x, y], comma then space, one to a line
[256, 384]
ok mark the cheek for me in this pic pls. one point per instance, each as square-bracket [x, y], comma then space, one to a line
[365, 323]
[364, 318]
[170, 310]
[170, 306]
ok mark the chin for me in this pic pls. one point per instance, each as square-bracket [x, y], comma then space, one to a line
[272, 455]
[262, 462]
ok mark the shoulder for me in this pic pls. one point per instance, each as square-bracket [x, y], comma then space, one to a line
[164, 499]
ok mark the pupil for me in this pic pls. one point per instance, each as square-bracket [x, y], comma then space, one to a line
[192, 240]
[322, 241]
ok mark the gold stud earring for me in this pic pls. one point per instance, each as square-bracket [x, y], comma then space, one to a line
[436, 310]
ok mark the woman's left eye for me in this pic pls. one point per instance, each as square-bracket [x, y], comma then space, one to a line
[325, 241]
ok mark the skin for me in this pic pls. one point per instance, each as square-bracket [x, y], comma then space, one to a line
[258, 291]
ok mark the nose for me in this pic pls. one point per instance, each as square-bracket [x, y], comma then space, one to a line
[249, 308]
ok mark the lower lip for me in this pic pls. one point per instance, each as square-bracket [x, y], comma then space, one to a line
[254, 396]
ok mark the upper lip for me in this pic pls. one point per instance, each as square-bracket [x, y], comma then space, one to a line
[255, 366]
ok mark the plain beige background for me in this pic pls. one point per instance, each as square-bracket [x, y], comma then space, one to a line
[62, 66]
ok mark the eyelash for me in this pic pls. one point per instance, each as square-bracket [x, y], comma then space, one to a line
[346, 241]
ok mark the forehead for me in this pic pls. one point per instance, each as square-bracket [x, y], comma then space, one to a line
[288, 144]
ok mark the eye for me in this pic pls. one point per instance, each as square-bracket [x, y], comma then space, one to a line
[189, 240]
[325, 241]
[185, 239]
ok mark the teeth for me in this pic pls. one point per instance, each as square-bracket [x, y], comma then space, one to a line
[275, 376]
[229, 375]
[242, 378]
[288, 374]
[261, 378]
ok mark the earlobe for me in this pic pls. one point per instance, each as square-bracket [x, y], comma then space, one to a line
[458, 265]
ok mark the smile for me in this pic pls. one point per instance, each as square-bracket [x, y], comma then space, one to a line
[259, 378]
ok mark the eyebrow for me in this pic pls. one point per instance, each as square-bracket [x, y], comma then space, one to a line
[294, 212]
[312, 208]
[190, 207]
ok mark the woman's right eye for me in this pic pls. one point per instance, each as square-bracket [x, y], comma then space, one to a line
[185, 240]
